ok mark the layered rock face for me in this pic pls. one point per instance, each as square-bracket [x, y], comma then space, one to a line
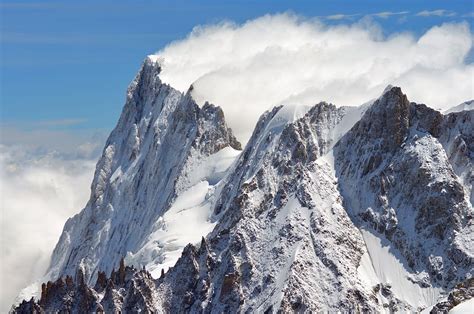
[326, 209]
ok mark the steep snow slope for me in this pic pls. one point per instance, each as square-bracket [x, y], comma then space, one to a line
[379, 265]
[188, 219]
[161, 155]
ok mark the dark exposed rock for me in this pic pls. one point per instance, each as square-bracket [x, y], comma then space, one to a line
[130, 291]
[461, 293]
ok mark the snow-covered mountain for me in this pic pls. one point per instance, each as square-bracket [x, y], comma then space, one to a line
[327, 208]
[163, 146]
[465, 106]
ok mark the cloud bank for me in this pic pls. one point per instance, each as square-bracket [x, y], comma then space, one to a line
[282, 59]
[45, 177]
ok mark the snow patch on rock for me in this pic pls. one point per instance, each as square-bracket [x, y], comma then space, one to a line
[382, 264]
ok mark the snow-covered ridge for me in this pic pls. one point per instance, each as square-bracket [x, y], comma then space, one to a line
[163, 148]
[294, 163]
[305, 218]
[465, 106]
[285, 160]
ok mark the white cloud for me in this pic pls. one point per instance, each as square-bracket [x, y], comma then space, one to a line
[383, 15]
[341, 16]
[387, 14]
[277, 59]
[41, 185]
[440, 12]
[46, 137]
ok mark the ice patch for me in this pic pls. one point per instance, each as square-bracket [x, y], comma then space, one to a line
[214, 167]
[465, 106]
[351, 117]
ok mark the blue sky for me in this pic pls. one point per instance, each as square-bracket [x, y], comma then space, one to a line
[66, 65]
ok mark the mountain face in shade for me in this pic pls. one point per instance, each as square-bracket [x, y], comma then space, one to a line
[326, 209]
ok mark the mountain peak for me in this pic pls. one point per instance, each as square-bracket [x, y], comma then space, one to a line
[388, 88]
[387, 118]
[155, 60]
[392, 91]
[326, 209]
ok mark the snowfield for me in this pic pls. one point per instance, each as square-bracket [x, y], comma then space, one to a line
[188, 219]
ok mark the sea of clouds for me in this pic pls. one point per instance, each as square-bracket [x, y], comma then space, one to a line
[45, 177]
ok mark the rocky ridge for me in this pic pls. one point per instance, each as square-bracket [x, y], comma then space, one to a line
[146, 162]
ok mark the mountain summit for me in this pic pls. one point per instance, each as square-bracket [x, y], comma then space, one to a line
[326, 209]
[164, 146]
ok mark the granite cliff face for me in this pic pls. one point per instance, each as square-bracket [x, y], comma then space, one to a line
[327, 208]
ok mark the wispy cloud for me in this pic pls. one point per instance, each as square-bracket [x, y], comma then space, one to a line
[77, 38]
[77, 143]
[402, 14]
[35, 38]
[383, 15]
[440, 13]
[341, 16]
[387, 14]
[65, 124]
